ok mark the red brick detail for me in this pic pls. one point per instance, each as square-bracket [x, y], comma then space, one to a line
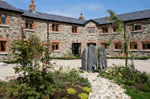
[50, 29]
[78, 31]
[92, 42]
[59, 28]
[53, 41]
[104, 41]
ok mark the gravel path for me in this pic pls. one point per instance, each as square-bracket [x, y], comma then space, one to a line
[103, 88]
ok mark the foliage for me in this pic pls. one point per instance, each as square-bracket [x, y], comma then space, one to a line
[35, 81]
[134, 79]
[136, 94]
[86, 89]
[71, 91]
[83, 96]
[114, 18]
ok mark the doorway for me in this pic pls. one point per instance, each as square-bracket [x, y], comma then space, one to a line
[76, 48]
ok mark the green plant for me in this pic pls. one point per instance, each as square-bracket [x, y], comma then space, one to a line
[83, 96]
[71, 91]
[86, 89]
[130, 82]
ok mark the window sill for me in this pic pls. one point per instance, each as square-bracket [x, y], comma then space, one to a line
[117, 50]
[138, 31]
[56, 51]
[91, 34]
[148, 50]
[110, 33]
[75, 33]
[3, 53]
[55, 32]
[30, 30]
[133, 50]
[4, 25]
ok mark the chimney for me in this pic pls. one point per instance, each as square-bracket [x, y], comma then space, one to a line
[81, 17]
[32, 6]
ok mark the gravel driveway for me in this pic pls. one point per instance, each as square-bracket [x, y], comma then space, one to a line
[142, 65]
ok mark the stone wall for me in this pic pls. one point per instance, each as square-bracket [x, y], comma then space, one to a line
[15, 29]
[10, 31]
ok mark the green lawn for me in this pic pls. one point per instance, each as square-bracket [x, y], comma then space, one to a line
[135, 94]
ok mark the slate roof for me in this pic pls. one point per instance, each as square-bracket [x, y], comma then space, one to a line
[5, 5]
[51, 17]
[128, 16]
[44, 16]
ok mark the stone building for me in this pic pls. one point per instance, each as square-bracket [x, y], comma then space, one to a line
[71, 35]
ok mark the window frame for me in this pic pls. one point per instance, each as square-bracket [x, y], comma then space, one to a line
[56, 48]
[119, 45]
[104, 44]
[27, 24]
[1, 18]
[55, 28]
[91, 29]
[5, 46]
[74, 29]
[137, 28]
[106, 29]
[146, 44]
[115, 28]
[135, 46]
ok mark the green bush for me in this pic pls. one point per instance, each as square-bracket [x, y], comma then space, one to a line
[86, 89]
[10, 61]
[83, 96]
[130, 82]
[71, 91]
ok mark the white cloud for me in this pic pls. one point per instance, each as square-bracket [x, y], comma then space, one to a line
[75, 10]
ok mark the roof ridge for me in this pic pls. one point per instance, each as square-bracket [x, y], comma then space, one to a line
[51, 14]
[125, 13]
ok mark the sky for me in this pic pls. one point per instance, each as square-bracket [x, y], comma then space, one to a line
[91, 9]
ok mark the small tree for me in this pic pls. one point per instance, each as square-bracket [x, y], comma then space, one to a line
[36, 82]
[121, 28]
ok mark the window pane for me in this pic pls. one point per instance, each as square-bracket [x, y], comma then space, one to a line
[53, 47]
[26, 25]
[53, 27]
[89, 30]
[137, 27]
[56, 46]
[148, 46]
[73, 29]
[56, 27]
[3, 19]
[92, 30]
[3, 46]
[30, 23]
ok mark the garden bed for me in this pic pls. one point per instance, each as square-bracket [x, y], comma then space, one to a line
[136, 83]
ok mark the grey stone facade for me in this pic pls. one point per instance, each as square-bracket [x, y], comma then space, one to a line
[15, 29]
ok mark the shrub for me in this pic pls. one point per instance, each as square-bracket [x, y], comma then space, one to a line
[71, 91]
[83, 96]
[86, 89]
[130, 82]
